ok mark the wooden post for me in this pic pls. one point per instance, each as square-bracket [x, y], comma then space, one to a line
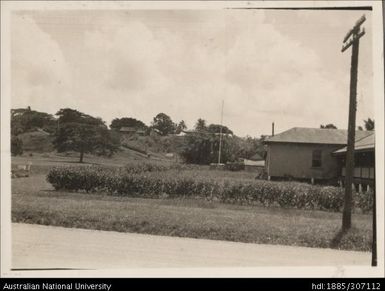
[354, 42]
[374, 224]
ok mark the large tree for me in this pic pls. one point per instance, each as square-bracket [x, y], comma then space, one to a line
[24, 120]
[84, 134]
[216, 128]
[163, 123]
[118, 123]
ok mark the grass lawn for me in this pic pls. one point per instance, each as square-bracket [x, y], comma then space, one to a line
[34, 201]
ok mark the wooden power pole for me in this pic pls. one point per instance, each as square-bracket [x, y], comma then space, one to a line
[353, 36]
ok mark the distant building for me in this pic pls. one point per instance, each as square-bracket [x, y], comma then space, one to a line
[306, 153]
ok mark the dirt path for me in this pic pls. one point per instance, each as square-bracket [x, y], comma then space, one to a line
[36, 246]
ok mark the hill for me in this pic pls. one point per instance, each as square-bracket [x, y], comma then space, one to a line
[38, 141]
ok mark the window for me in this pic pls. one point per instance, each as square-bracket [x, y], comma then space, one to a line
[317, 159]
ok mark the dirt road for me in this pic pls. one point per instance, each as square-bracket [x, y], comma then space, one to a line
[36, 246]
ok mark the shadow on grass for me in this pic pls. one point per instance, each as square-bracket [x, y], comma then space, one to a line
[336, 241]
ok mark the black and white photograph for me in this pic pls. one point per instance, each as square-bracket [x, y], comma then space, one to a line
[189, 138]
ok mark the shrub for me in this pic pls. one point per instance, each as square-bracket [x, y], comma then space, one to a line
[236, 166]
[156, 180]
[16, 146]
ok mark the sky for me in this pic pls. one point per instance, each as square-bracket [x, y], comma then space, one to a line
[281, 66]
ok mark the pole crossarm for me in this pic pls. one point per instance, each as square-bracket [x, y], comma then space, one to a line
[354, 39]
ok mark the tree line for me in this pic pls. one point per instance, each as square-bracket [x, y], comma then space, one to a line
[368, 125]
[76, 131]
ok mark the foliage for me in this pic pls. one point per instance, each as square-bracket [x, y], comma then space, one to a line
[236, 166]
[84, 134]
[200, 125]
[118, 123]
[216, 128]
[68, 115]
[328, 126]
[181, 126]
[24, 120]
[155, 181]
[369, 124]
[202, 148]
[248, 147]
[16, 146]
[163, 123]
[184, 217]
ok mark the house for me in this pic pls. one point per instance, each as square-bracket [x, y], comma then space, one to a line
[306, 153]
[364, 161]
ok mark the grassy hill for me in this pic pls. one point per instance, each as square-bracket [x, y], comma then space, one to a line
[37, 141]
[38, 144]
[154, 144]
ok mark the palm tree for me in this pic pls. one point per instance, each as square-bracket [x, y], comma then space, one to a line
[369, 124]
[200, 125]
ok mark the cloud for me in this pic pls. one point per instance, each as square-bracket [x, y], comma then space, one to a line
[141, 63]
[40, 75]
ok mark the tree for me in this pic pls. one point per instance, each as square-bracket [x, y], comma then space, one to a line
[216, 128]
[328, 126]
[118, 123]
[181, 126]
[68, 115]
[200, 125]
[16, 146]
[202, 148]
[84, 134]
[24, 120]
[248, 147]
[163, 123]
[369, 124]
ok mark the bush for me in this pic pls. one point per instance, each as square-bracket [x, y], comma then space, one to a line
[16, 146]
[236, 166]
[175, 180]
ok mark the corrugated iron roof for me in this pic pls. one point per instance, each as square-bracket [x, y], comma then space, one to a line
[365, 143]
[315, 135]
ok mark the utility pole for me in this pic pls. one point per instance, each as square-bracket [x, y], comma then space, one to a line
[220, 136]
[374, 223]
[353, 36]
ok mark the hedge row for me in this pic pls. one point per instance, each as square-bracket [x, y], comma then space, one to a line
[138, 168]
[187, 183]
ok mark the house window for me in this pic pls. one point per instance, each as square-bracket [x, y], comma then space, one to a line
[317, 159]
